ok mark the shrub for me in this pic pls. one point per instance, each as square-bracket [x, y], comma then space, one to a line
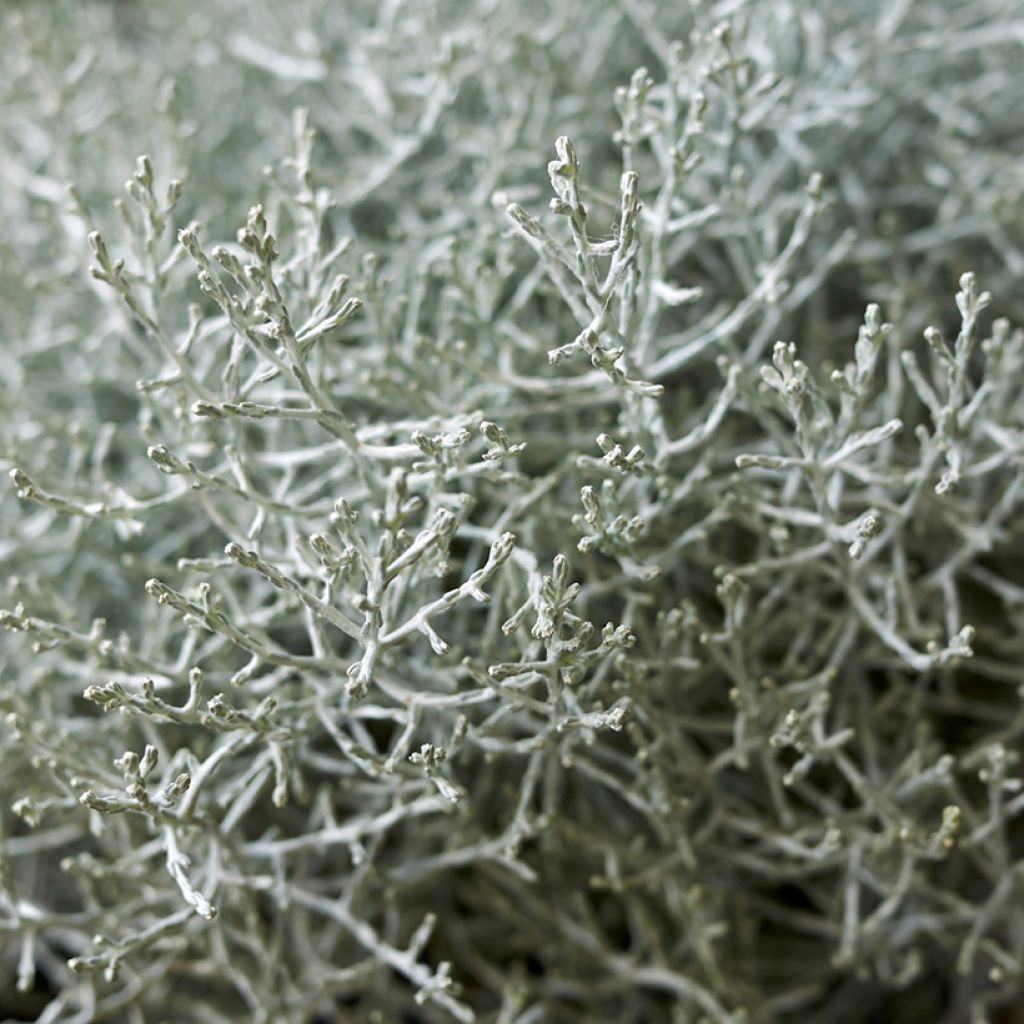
[464, 592]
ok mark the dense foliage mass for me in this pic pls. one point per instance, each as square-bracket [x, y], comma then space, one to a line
[515, 511]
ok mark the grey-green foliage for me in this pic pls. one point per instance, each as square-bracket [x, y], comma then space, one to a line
[509, 579]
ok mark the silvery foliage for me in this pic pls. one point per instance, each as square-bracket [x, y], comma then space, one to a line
[455, 574]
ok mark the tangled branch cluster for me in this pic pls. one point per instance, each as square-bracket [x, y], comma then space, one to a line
[441, 590]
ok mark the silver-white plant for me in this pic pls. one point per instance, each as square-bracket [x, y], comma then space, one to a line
[514, 512]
